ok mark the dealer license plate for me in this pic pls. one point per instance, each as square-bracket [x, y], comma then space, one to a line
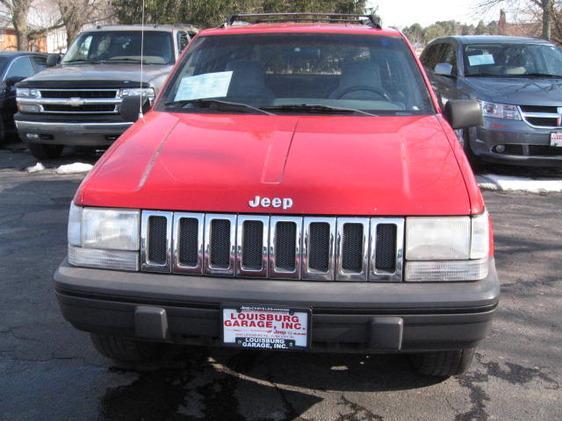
[556, 139]
[266, 327]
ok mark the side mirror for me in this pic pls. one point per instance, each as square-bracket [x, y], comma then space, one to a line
[11, 81]
[443, 69]
[131, 105]
[53, 60]
[462, 113]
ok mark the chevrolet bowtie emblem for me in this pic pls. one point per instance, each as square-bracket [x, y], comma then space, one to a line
[75, 102]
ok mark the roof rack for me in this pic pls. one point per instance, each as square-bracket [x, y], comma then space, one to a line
[370, 20]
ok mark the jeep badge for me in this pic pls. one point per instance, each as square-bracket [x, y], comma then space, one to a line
[276, 202]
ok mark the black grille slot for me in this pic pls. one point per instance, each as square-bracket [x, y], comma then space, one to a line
[220, 243]
[352, 249]
[86, 108]
[543, 121]
[539, 109]
[285, 246]
[544, 150]
[386, 247]
[252, 245]
[319, 247]
[189, 242]
[78, 94]
[157, 241]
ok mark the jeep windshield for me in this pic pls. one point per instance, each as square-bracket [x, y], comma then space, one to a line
[121, 47]
[300, 74]
[513, 60]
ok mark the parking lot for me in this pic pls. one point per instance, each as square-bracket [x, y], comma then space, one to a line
[48, 370]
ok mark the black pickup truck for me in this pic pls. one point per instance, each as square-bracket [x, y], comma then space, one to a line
[77, 101]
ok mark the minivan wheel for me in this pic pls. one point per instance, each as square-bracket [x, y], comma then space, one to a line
[42, 151]
[443, 363]
[125, 350]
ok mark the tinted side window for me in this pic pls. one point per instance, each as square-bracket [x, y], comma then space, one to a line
[431, 57]
[183, 40]
[449, 55]
[21, 67]
[40, 62]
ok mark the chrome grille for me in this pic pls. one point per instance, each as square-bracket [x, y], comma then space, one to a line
[276, 247]
[542, 116]
[77, 101]
[79, 93]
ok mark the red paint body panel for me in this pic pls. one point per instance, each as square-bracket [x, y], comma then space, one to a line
[327, 165]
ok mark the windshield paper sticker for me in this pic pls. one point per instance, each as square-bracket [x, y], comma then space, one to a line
[209, 85]
[481, 60]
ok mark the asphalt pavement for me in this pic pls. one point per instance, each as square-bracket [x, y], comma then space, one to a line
[48, 370]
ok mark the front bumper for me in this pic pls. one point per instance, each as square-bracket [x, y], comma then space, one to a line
[350, 317]
[524, 144]
[83, 132]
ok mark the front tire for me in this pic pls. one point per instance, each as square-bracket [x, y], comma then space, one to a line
[125, 350]
[42, 152]
[443, 363]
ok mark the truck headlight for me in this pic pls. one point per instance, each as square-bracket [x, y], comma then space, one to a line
[104, 238]
[503, 111]
[447, 248]
[27, 93]
[145, 92]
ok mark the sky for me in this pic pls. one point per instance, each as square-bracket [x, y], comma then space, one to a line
[402, 13]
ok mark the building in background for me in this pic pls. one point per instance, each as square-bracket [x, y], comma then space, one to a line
[8, 39]
[523, 29]
[56, 41]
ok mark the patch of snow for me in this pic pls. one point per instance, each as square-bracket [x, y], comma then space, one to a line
[36, 168]
[523, 184]
[75, 168]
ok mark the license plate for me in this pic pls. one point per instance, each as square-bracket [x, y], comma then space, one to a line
[266, 327]
[556, 139]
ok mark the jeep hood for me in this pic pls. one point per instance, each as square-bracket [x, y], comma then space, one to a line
[326, 165]
[104, 73]
[517, 91]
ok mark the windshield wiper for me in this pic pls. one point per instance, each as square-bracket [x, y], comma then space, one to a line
[485, 75]
[317, 108]
[81, 61]
[545, 75]
[217, 104]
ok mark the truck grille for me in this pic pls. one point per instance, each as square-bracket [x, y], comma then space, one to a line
[73, 93]
[79, 101]
[538, 116]
[94, 108]
[275, 247]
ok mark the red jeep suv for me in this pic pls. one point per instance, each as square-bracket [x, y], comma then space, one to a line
[296, 186]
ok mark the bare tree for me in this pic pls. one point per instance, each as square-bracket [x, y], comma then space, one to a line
[18, 10]
[549, 10]
[75, 14]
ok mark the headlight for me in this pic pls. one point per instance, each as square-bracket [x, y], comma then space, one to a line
[503, 111]
[145, 92]
[28, 93]
[29, 108]
[447, 248]
[104, 238]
